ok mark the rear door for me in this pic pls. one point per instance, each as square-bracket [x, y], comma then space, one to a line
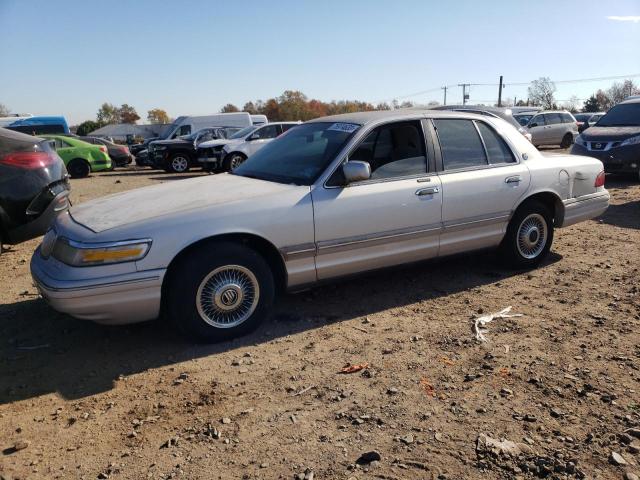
[482, 180]
[556, 128]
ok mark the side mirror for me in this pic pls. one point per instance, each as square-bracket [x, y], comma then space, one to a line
[534, 124]
[356, 171]
[255, 136]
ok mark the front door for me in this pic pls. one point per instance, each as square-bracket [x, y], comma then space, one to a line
[538, 130]
[394, 217]
[261, 137]
[482, 181]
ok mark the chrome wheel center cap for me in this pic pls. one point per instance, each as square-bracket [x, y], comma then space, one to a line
[228, 297]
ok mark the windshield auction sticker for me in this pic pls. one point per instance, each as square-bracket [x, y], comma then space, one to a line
[344, 127]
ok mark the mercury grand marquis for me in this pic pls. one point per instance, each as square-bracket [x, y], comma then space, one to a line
[331, 197]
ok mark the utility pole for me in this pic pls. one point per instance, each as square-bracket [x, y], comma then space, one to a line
[445, 94]
[515, 102]
[500, 92]
[465, 95]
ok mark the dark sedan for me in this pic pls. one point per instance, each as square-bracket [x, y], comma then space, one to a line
[120, 154]
[615, 139]
[34, 186]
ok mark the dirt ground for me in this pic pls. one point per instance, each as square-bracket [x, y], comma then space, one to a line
[561, 382]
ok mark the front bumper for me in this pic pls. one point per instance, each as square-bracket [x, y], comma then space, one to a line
[41, 223]
[113, 300]
[585, 207]
[615, 160]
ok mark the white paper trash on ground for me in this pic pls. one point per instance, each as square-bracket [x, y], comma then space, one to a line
[480, 322]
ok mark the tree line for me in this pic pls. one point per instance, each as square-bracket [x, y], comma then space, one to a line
[542, 93]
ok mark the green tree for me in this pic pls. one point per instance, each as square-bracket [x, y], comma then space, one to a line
[541, 92]
[590, 104]
[128, 114]
[86, 127]
[108, 114]
[229, 108]
[157, 115]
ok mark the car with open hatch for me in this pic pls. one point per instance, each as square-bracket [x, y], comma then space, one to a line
[334, 196]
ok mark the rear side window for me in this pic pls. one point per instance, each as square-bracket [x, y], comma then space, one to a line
[497, 149]
[567, 118]
[552, 118]
[460, 144]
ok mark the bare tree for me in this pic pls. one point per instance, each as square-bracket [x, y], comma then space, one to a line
[541, 92]
[4, 110]
[572, 104]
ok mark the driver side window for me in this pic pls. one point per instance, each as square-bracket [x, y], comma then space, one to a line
[538, 120]
[394, 150]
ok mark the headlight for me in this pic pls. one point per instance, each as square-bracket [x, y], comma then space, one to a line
[79, 254]
[631, 141]
[580, 141]
[159, 147]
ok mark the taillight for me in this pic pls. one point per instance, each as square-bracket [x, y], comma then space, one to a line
[124, 149]
[28, 160]
[599, 180]
[103, 149]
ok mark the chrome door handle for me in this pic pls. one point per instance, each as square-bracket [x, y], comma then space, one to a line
[427, 191]
[514, 179]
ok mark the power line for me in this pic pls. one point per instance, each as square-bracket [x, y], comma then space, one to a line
[578, 80]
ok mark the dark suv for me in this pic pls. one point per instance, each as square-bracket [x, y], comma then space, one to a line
[179, 155]
[34, 186]
[615, 139]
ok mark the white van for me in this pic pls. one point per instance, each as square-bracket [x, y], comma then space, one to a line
[187, 125]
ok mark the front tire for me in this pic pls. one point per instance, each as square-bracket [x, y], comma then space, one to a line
[78, 168]
[220, 292]
[178, 163]
[529, 236]
[567, 140]
[233, 160]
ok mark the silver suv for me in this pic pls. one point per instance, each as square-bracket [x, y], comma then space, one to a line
[553, 128]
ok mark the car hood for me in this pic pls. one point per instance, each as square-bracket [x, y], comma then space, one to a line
[218, 142]
[175, 141]
[172, 197]
[595, 133]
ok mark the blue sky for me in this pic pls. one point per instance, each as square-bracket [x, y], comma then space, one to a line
[192, 57]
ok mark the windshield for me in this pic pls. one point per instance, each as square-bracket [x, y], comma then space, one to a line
[300, 155]
[243, 132]
[624, 115]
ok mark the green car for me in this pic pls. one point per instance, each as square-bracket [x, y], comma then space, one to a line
[81, 158]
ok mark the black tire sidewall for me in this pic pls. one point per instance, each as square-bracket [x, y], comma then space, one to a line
[189, 273]
[74, 168]
[509, 246]
[229, 158]
[569, 141]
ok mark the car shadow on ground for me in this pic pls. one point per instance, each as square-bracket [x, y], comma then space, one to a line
[44, 352]
[627, 214]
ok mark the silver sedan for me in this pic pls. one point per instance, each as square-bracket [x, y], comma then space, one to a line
[332, 197]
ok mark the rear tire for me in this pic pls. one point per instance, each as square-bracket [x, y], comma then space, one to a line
[233, 160]
[178, 163]
[220, 292]
[79, 168]
[567, 140]
[529, 236]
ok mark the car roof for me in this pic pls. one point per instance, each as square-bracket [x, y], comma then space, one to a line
[634, 99]
[363, 118]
